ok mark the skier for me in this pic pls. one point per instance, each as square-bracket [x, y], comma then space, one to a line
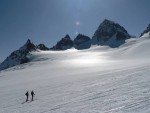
[27, 95]
[32, 94]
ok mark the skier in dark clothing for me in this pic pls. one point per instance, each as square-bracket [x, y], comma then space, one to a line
[27, 95]
[32, 94]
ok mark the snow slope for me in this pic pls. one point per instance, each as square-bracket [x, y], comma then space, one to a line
[97, 80]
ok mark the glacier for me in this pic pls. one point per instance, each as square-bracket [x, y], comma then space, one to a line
[96, 80]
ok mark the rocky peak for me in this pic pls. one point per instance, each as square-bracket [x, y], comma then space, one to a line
[146, 31]
[82, 42]
[28, 41]
[42, 47]
[67, 37]
[19, 56]
[63, 44]
[28, 46]
[109, 31]
[81, 38]
[107, 24]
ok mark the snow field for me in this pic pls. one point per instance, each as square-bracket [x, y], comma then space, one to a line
[97, 80]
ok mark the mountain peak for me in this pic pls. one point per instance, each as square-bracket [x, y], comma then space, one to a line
[64, 44]
[29, 46]
[107, 24]
[106, 21]
[82, 42]
[83, 37]
[19, 56]
[67, 37]
[28, 41]
[110, 33]
[146, 31]
[42, 47]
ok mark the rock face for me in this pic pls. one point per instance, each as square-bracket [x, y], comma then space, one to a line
[28, 46]
[64, 44]
[42, 47]
[110, 33]
[19, 56]
[82, 42]
[146, 32]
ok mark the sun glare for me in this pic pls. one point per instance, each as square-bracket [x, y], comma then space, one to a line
[87, 61]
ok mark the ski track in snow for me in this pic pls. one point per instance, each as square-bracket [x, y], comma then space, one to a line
[119, 84]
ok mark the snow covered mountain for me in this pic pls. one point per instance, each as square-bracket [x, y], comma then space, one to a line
[82, 42]
[42, 47]
[19, 56]
[146, 32]
[64, 44]
[96, 80]
[110, 33]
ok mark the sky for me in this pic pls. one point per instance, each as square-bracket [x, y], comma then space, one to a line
[47, 21]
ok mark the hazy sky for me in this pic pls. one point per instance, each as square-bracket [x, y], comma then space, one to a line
[47, 21]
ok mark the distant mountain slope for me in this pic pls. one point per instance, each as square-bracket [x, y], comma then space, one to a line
[82, 42]
[64, 44]
[146, 32]
[42, 47]
[19, 56]
[110, 33]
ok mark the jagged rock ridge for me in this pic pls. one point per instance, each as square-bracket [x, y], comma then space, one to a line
[42, 47]
[82, 42]
[110, 33]
[19, 56]
[146, 31]
[64, 44]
